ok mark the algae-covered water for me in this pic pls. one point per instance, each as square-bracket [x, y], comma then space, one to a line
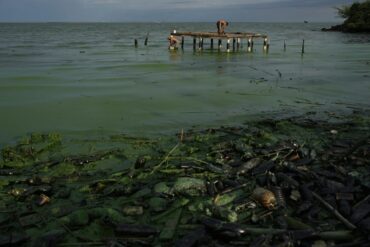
[85, 79]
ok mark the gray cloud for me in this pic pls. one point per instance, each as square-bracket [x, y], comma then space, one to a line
[168, 10]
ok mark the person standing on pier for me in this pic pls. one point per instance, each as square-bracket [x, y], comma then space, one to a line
[172, 42]
[221, 25]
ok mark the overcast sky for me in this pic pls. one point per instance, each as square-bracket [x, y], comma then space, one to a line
[170, 10]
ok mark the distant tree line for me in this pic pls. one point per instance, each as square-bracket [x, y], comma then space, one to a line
[357, 18]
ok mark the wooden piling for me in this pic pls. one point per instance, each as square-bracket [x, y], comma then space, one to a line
[236, 36]
[249, 48]
[136, 43]
[182, 42]
[265, 45]
[146, 39]
[284, 46]
[303, 47]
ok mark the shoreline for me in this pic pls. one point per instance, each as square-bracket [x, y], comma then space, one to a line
[172, 190]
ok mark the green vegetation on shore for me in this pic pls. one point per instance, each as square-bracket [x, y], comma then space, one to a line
[357, 18]
[271, 182]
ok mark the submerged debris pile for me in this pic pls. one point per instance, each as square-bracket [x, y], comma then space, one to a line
[280, 182]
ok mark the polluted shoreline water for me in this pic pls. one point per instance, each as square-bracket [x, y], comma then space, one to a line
[289, 181]
[75, 77]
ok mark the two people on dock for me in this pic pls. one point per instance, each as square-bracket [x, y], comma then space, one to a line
[221, 25]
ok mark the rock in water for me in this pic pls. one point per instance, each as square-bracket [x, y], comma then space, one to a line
[190, 186]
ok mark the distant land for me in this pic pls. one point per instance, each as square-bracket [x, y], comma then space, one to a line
[357, 18]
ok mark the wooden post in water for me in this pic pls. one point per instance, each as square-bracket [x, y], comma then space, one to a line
[182, 42]
[284, 45]
[228, 45]
[249, 49]
[136, 44]
[194, 43]
[146, 39]
[265, 46]
[238, 43]
[219, 44]
[211, 44]
[303, 47]
[200, 45]
[234, 42]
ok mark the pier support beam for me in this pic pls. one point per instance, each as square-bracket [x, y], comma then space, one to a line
[249, 48]
[303, 47]
[200, 44]
[265, 45]
[136, 43]
[237, 38]
[182, 42]
[284, 45]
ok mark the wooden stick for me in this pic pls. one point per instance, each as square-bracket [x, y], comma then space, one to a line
[165, 158]
[336, 213]
[234, 189]
[146, 39]
[284, 46]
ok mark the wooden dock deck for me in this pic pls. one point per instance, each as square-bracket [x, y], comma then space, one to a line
[236, 38]
[220, 36]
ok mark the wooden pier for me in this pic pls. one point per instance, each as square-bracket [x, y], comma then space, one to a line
[233, 40]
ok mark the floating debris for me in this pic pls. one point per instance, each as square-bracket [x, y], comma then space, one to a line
[272, 183]
[265, 197]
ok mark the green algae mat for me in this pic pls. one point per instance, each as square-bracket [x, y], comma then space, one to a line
[288, 182]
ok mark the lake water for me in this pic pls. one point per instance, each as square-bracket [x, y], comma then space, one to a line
[85, 79]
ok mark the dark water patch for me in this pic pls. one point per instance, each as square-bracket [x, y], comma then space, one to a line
[25, 54]
[28, 78]
[22, 46]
